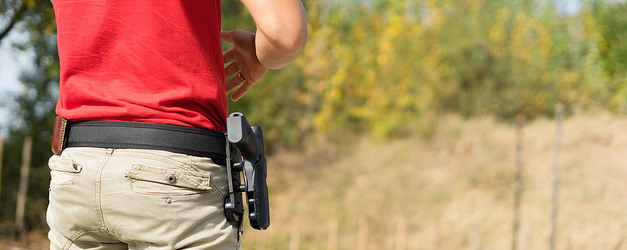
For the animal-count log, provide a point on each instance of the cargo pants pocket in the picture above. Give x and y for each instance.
(167, 181)
(63, 171)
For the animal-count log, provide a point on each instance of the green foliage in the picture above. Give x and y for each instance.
(612, 25)
(377, 67)
(610, 33)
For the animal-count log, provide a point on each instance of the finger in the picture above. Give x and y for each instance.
(241, 91)
(231, 69)
(232, 84)
(226, 36)
(228, 55)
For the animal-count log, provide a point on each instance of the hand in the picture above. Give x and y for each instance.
(245, 67)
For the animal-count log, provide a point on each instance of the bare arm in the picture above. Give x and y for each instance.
(281, 30)
(281, 36)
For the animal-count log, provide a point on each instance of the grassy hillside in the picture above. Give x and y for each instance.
(452, 191)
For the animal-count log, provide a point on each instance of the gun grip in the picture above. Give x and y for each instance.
(259, 207)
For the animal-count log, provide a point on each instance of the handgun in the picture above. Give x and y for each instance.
(246, 157)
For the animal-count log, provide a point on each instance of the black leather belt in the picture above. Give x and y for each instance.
(136, 135)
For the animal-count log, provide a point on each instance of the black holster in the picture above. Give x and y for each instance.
(245, 157)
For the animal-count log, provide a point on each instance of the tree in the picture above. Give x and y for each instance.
(11, 11)
(611, 35)
(34, 107)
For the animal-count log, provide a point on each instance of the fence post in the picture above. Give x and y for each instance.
(295, 236)
(332, 242)
(362, 235)
(473, 236)
(526, 239)
(401, 234)
(520, 120)
(559, 110)
(21, 197)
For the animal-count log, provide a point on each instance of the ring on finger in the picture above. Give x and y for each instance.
(241, 77)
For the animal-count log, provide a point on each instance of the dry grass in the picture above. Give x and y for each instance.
(453, 191)
(35, 240)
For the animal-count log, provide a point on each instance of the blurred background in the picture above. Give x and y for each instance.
(405, 124)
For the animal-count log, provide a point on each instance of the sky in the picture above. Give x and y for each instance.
(12, 61)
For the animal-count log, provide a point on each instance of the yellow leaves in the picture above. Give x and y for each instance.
(338, 78)
(435, 17)
(545, 45)
(503, 15)
(323, 120)
(604, 47)
(30, 3)
(497, 33)
(382, 59)
(395, 26)
(475, 7)
(378, 69)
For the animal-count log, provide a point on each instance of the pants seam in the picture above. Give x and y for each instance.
(71, 240)
(215, 190)
(98, 194)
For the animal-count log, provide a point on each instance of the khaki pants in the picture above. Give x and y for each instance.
(137, 199)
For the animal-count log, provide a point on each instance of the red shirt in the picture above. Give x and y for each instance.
(142, 61)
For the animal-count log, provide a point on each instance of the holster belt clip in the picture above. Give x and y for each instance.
(59, 136)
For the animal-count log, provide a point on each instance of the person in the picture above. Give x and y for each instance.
(143, 101)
